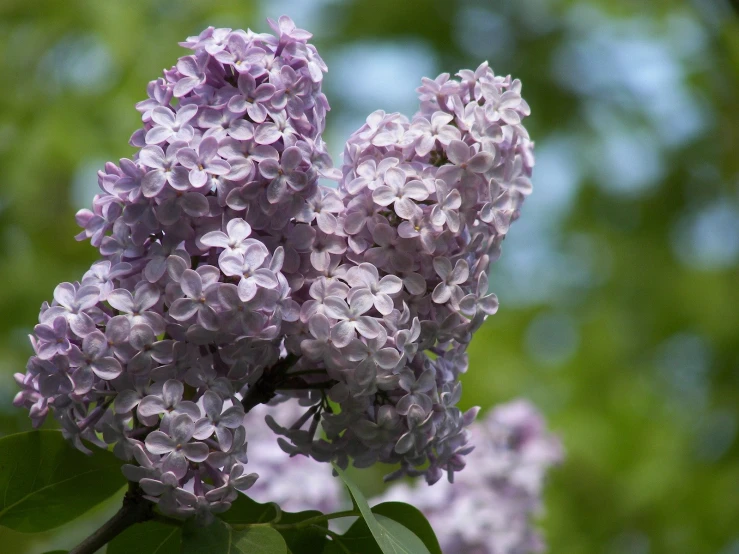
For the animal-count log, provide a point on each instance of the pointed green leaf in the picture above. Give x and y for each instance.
(410, 517)
(300, 541)
(45, 481)
(245, 510)
(221, 538)
(391, 536)
(333, 548)
(150, 537)
(400, 540)
(308, 540)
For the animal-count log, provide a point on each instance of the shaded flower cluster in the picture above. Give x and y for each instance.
(487, 510)
(228, 277)
(296, 483)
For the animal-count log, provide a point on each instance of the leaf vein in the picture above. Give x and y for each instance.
(50, 485)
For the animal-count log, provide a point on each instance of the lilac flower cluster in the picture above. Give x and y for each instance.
(296, 483)
(229, 276)
(488, 509)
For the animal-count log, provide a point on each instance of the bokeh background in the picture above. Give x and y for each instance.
(619, 287)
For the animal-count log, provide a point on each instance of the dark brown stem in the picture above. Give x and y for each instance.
(296, 385)
(135, 509)
(264, 389)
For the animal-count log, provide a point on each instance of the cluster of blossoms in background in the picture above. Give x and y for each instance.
(488, 509)
(228, 277)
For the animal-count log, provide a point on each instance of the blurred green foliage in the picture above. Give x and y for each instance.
(618, 287)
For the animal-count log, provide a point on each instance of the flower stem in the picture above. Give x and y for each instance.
(135, 509)
(263, 390)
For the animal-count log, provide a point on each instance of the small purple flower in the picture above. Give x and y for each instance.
(418, 224)
(371, 174)
(104, 274)
(479, 301)
(72, 303)
(239, 54)
(371, 356)
(192, 69)
(390, 253)
(438, 129)
(323, 246)
(243, 317)
(94, 357)
(450, 278)
(251, 98)
(322, 206)
(225, 123)
(465, 163)
(177, 446)
(420, 430)
(416, 389)
(165, 487)
(396, 190)
(319, 291)
(201, 163)
(171, 126)
(53, 338)
(351, 317)
(242, 156)
(150, 350)
(365, 276)
(278, 128)
(137, 306)
(200, 296)
(284, 174)
(175, 203)
(380, 431)
(236, 453)
(446, 210)
(316, 66)
(168, 402)
(289, 90)
(217, 420)
(287, 31)
(216, 41)
(130, 181)
(233, 241)
(159, 95)
(164, 169)
(321, 347)
(249, 266)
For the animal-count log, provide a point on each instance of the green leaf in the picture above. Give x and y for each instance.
(45, 481)
(150, 537)
(300, 541)
(245, 510)
(221, 538)
(401, 540)
(411, 518)
(332, 548)
(391, 536)
(57, 552)
(308, 540)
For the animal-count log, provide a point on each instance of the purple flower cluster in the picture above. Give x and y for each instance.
(489, 508)
(296, 483)
(229, 276)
